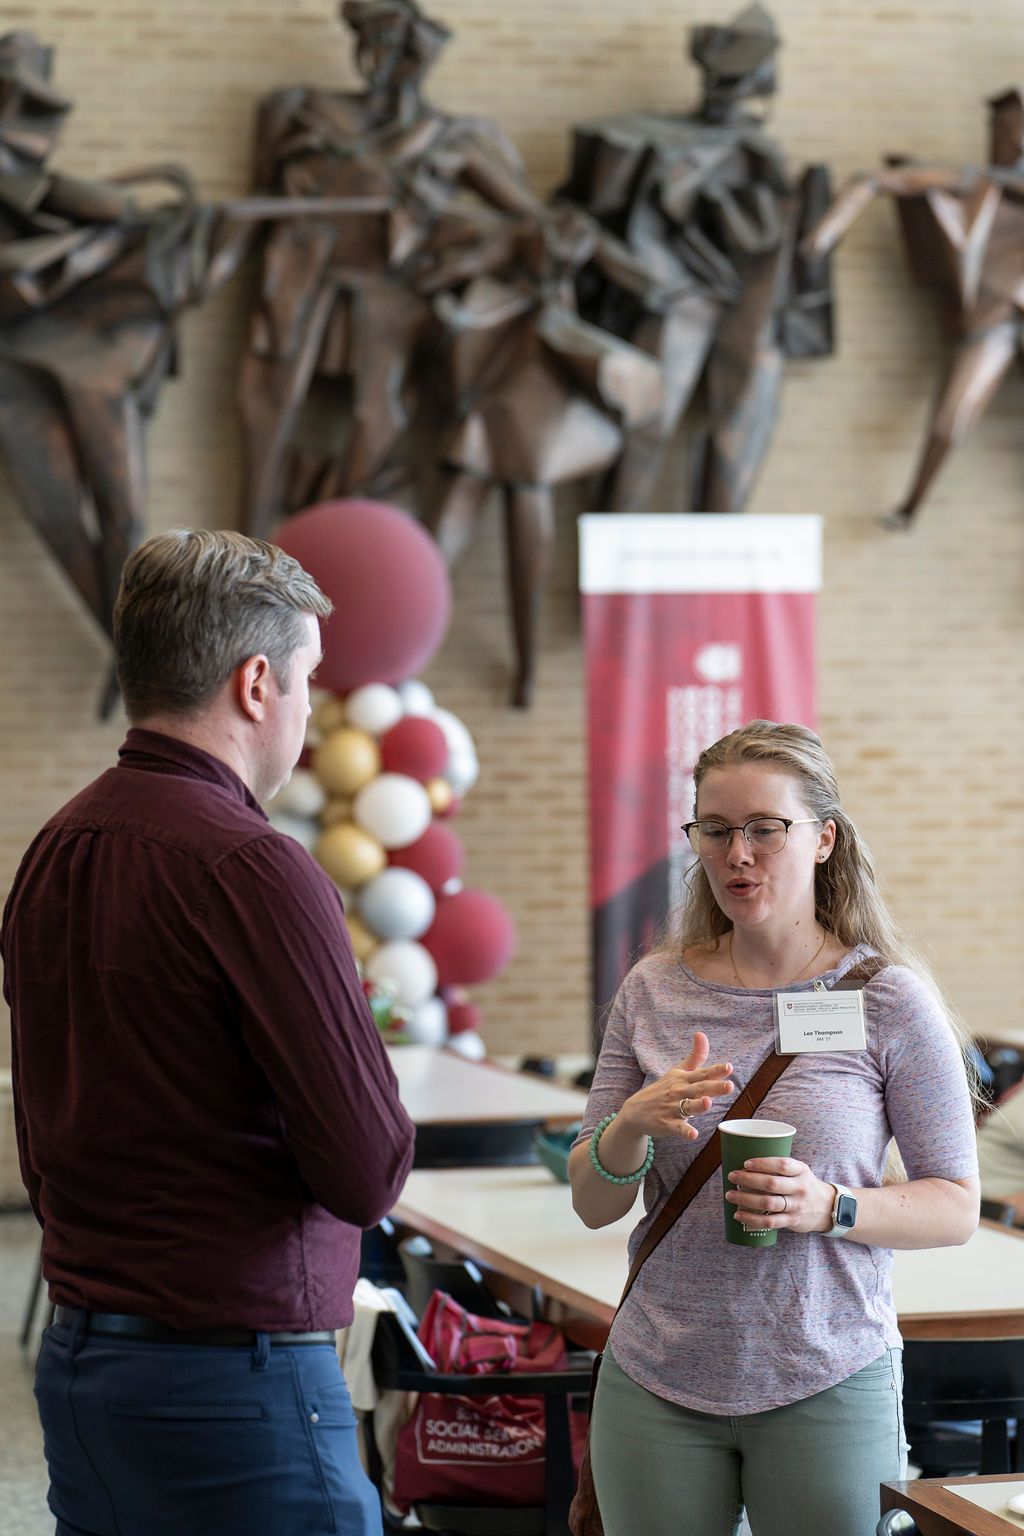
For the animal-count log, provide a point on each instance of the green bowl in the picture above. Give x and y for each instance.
(553, 1150)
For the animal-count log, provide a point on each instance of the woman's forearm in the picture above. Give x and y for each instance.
(597, 1201)
(926, 1213)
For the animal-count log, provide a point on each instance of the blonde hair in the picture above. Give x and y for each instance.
(193, 605)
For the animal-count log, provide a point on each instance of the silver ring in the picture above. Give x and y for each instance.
(682, 1111)
(785, 1206)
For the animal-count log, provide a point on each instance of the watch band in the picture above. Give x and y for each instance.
(844, 1210)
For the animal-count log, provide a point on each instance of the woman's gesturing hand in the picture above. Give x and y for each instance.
(781, 1192)
(664, 1108)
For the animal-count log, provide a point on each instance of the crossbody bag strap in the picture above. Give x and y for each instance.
(710, 1155)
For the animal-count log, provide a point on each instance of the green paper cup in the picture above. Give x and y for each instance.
(742, 1139)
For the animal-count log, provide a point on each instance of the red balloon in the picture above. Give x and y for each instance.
(388, 583)
(416, 746)
(462, 1017)
(436, 856)
(471, 938)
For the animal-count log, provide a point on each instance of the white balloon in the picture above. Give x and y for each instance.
(305, 832)
(427, 1023)
(455, 733)
(394, 809)
(397, 904)
(404, 969)
(416, 697)
(303, 795)
(468, 1043)
(374, 707)
(463, 765)
(461, 772)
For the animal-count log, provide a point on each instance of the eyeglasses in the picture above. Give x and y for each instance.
(764, 834)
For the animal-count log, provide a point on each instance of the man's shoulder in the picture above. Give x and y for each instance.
(177, 812)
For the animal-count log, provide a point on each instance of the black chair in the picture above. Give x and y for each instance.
(424, 1272)
(478, 1144)
(995, 1210)
(948, 1382)
(1006, 1066)
(402, 1363)
(896, 1522)
(379, 1259)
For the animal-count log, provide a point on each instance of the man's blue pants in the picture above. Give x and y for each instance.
(153, 1439)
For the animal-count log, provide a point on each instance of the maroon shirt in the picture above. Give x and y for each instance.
(206, 1114)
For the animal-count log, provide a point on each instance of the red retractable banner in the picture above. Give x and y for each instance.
(693, 625)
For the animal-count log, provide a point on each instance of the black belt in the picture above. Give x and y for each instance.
(125, 1326)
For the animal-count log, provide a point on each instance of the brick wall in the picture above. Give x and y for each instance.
(921, 680)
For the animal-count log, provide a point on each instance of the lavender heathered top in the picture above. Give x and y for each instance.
(731, 1330)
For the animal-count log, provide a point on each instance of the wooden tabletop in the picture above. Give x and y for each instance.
(520, 1221)
(958, 1506)
(439, 1087)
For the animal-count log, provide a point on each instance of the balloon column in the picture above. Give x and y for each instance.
(385, 772)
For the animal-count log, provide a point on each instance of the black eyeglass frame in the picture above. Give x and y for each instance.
(787, 823)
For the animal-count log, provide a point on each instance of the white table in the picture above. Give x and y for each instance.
(439, 1087)
(521, 1222)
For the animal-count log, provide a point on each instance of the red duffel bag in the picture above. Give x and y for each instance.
(487, 1449)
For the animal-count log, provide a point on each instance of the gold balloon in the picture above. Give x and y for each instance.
(349, 855)
(346, 760)
(363, 941)
(329, 714)
(439, 792)
(338, 808)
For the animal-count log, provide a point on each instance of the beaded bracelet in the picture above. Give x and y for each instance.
(602, 1171)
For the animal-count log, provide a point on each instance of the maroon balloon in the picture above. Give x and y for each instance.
(415, 746)
(436, 856)
(388, 583)
(463, 1017)
(471, 938)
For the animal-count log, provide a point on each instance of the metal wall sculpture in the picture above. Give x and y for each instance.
(92, 282)
(707, 202)
(424, 321)
(963, 230)
(94, 277)
(435, 349)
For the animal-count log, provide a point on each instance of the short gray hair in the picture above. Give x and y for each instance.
(193, 605)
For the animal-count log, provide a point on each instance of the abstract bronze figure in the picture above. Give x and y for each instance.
(541, 397)
(707, 203)
(338, 371)
(443, 334)
(963, 230)
(94, 277)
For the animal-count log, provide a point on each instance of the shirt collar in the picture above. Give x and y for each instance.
(153, 752)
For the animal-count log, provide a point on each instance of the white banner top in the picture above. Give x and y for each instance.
(699, 552)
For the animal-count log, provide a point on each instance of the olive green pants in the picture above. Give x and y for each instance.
(662, 1470)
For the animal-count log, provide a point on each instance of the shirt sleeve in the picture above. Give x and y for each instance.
(277, 928)
(927, 1098)
(617, 1075)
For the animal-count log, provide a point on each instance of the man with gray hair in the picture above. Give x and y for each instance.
(206, 1114)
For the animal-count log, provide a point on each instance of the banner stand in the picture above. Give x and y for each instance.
(693, 624)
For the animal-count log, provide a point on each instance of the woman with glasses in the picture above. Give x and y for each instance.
(769, 1377)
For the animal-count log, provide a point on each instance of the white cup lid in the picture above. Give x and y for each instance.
(757, 1128)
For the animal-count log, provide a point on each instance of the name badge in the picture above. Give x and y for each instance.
(819, 1021)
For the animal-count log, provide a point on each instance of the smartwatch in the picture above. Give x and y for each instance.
(844, 1211)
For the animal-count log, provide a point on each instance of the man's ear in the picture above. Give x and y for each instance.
(252, 686)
